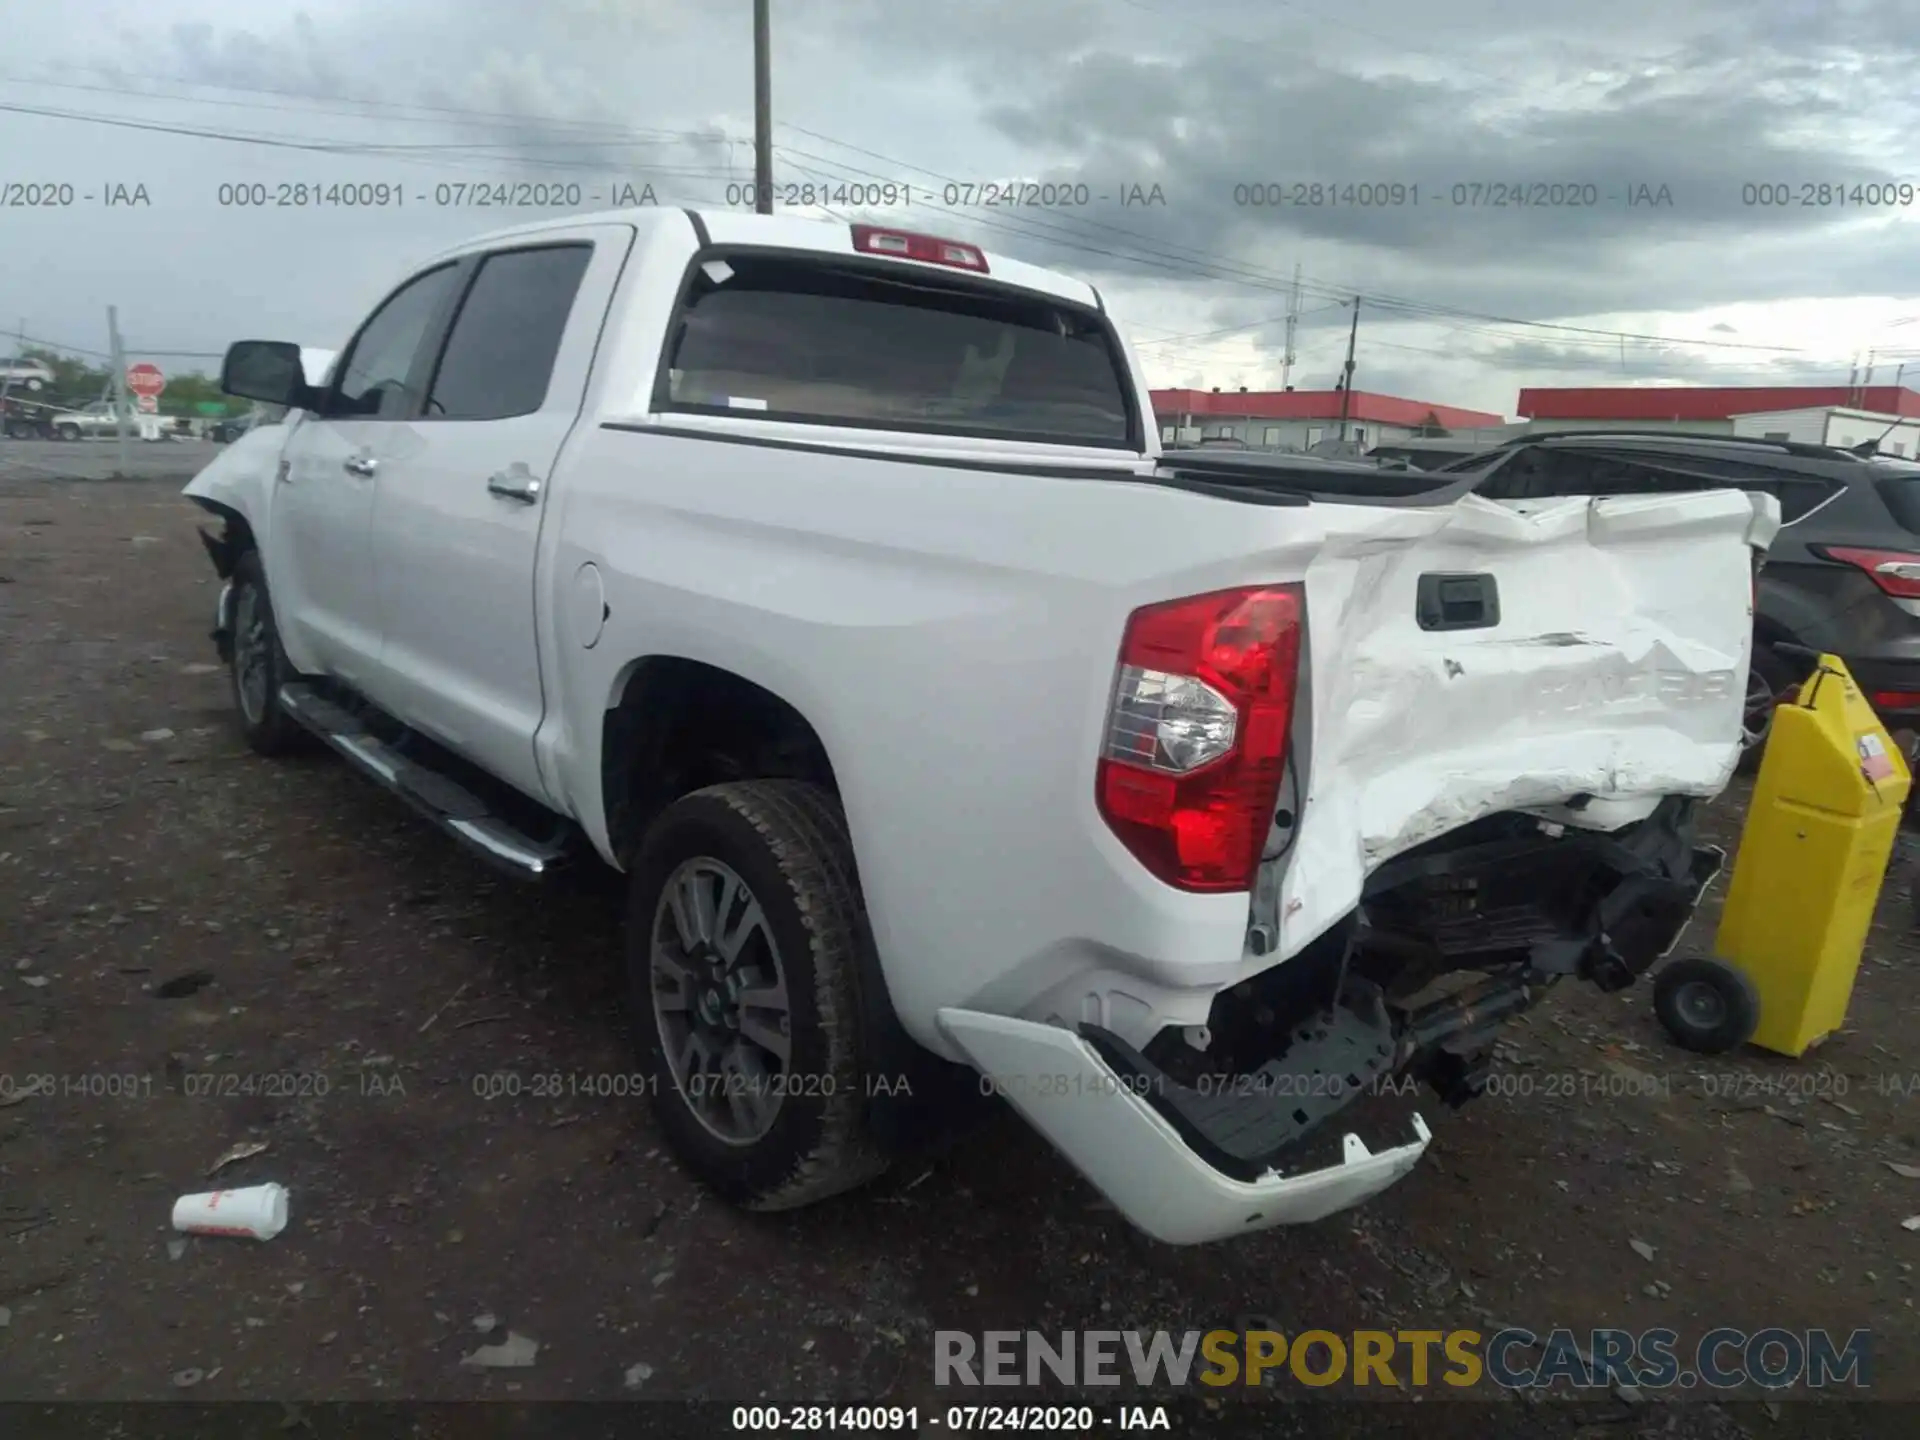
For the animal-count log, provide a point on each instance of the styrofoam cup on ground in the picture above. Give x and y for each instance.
(259, 1211)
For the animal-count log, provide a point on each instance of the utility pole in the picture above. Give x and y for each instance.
(1293, 322)
(762, 111)
(19, 353)
(120, 405)
(1853, 382)
(1346, 386)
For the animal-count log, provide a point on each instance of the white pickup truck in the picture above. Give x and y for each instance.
(828, 581)
(101, 421)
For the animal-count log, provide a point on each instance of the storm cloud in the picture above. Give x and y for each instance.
(1521, 194)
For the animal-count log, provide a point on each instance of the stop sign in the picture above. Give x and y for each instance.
(145, 378)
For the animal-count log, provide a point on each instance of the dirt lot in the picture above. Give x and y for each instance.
(394, 982)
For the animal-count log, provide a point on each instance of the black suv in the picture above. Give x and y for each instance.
(1842, 576)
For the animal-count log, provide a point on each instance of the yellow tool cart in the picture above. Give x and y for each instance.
(1826, 812)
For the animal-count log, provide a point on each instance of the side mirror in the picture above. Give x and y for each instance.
(268, 371)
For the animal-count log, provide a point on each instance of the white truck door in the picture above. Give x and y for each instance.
(319, 551)
(457, 523)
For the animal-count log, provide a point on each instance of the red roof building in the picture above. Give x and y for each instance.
(1316, 405)
(1699, 403)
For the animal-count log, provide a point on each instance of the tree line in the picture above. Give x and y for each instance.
(77, 383)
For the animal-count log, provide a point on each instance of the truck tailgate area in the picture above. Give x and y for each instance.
(1581, 657)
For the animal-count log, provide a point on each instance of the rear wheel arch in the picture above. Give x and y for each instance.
(674, 726)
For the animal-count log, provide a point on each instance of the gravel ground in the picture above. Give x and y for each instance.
(315, 931)
(26, 460)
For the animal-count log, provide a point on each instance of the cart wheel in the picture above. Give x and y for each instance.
(1706, 1004)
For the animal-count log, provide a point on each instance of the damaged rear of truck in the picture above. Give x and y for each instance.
(1498, 720)
(1196, 803)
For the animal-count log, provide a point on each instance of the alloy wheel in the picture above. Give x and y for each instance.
(252, 655)
(720, 1000)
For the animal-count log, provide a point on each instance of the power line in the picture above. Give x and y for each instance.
(45, 344)
(436, 114)
(1201, 265)
(1266, 281)
(400, 153)
(1216, 269)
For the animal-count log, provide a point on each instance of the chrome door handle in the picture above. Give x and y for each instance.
(522, 487)
(359, 465)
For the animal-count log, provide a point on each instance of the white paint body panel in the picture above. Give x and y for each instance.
(952, 634)
(1136, 1159)
(458, 567)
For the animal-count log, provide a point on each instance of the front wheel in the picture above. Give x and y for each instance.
(259, 666)
(67, 432)
(744, 925)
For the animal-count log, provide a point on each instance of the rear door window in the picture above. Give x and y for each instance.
(842, 344)
(499, 354)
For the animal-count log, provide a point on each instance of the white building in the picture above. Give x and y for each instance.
(1833, 425)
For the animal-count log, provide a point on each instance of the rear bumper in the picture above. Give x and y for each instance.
(1136, 1158)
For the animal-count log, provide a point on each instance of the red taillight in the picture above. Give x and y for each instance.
(1896, 701)
(1196, 741)
(1895, 571)
(907, 245)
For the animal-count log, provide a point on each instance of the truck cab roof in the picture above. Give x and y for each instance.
(786, 232)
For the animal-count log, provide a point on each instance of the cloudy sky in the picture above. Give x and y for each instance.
(1723, 119)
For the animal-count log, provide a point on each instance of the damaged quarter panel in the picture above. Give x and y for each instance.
(1612, 668)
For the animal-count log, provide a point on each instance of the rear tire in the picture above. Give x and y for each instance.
(763, 869)
(259, 667)
(1706, 1005)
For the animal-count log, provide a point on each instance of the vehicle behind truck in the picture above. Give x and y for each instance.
(829, 583)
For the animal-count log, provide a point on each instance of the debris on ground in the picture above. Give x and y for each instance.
(259, 1211)
(1642, 1249)
(241, 1150)
(1911, 1172)
(516, 1352)
(187, 1379)
(638, 1375)
(153, 737)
